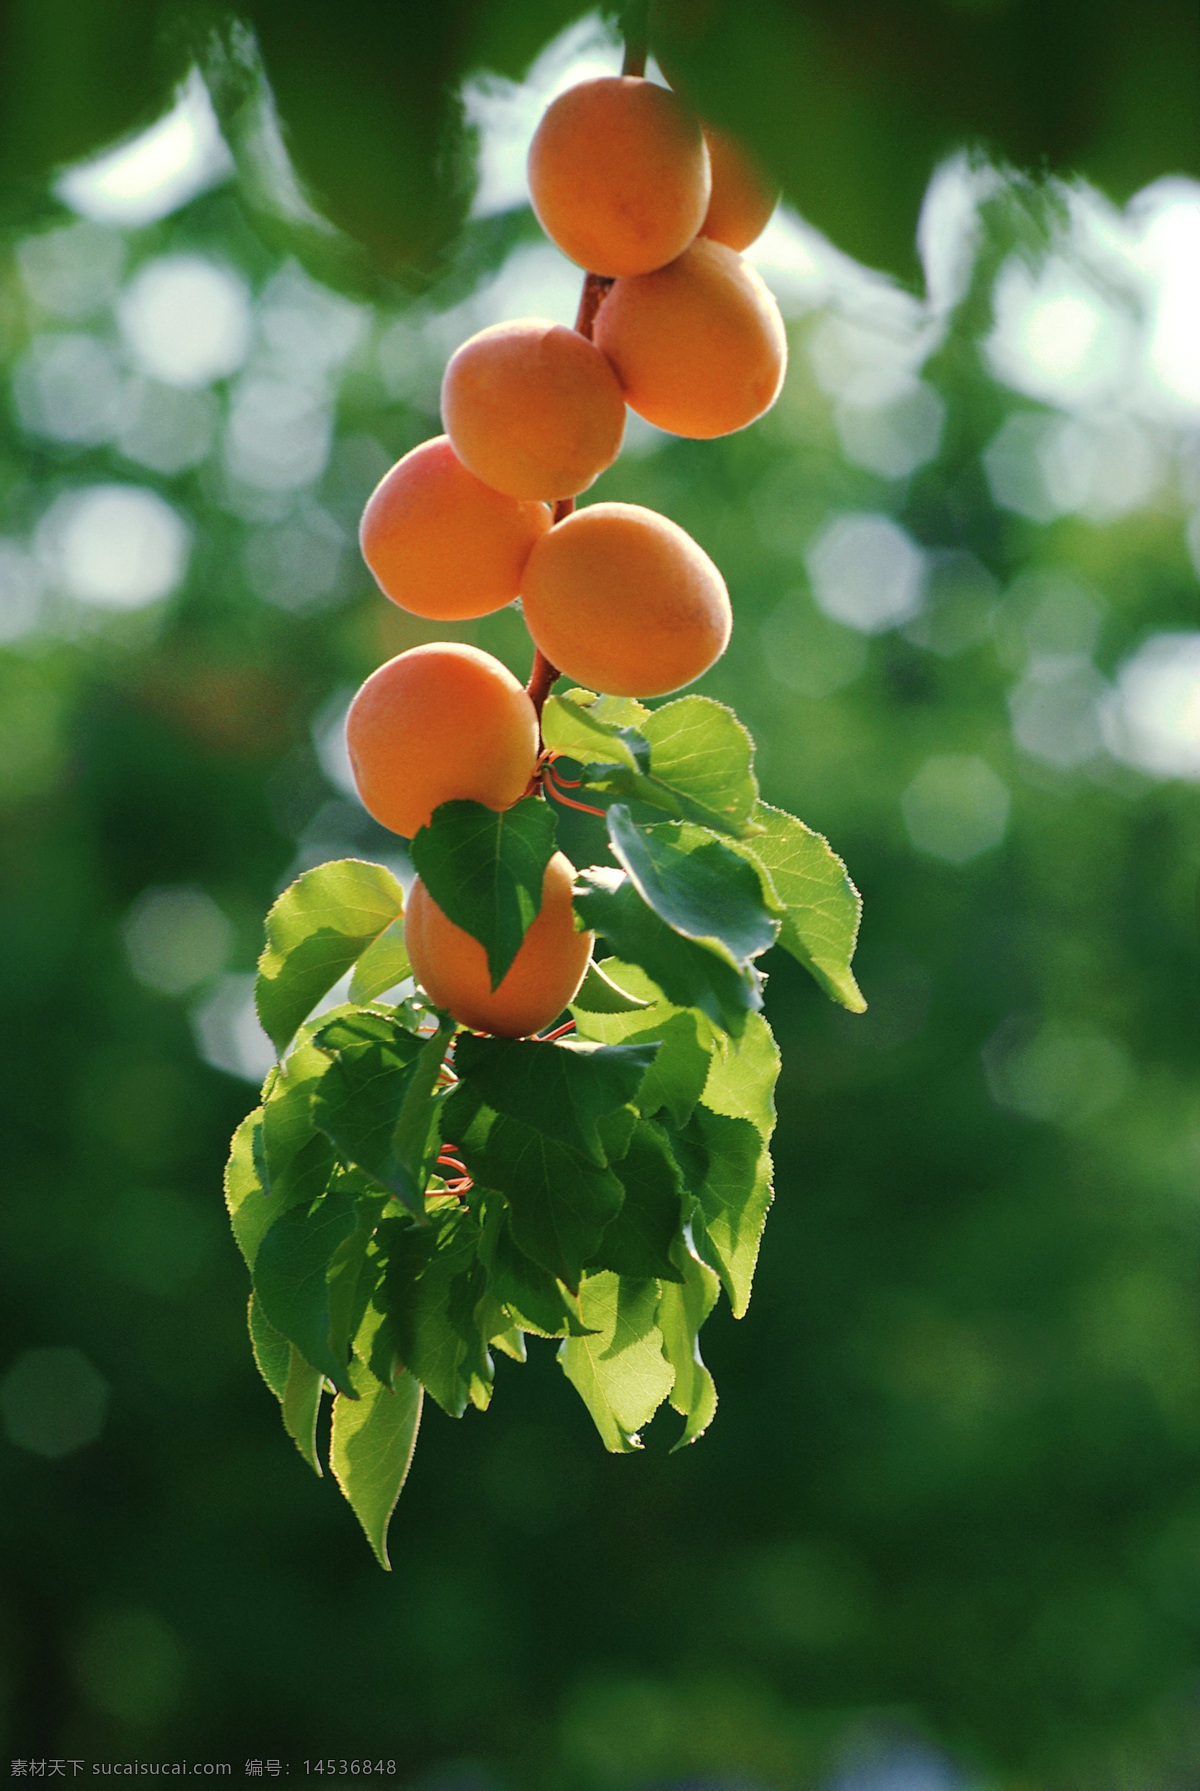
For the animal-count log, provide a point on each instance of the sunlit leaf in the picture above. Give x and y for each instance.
(820, 926)
(317, 929)
(682, 1310)
(371, 1448)
(620, 1373)
(689, 974)
(383, 965)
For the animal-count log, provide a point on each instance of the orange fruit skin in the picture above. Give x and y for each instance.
(440, 542)
(699, 347)
(624, 601)
(742, 198)
(618, 174)
(543, 977)
(439, 723)
(533, 409)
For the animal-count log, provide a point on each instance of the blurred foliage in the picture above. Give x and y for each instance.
(852, 105)
(950, 1505)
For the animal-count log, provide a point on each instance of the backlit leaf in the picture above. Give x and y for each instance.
(689, 974)
(682, 1309)
(820, 927)
(371, 1448)
(620, 1373)
(317, 929)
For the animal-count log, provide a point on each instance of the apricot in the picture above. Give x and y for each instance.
(542, 979)
(440, 542)
(618, 174)
(533, 409)
(699, 347)
(743, 196)
(435, 724)
(624, 601)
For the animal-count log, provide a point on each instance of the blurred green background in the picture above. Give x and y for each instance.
(945, 1532)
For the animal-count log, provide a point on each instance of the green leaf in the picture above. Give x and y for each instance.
(599, 994)
(317, 929)
(377, 1099)
(245, 1196)
(296, 1160)
(537, 1301)
(296, 1384)
(682, 1309)
(692, 758)
(676, 1079)
(620, 1373)
(560, 1202)
(727, 1167)
(432, 1284)
(562, 1089)
(384, 964)
(742, 1076)
(820, 926)
(700, 887)
(638, 1241)
(700, 751)
(572, 725)
(371, 1448)
(690, 975)
(291, 1277)
(484, 868)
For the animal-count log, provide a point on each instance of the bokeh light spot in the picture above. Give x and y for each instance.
(1055, 1072)
(228, 1033)
(176, 939)
(116, 546)
(53, 1402)
(955, 808)
(68, 388)
(1153, 717)
(185, 320)
(866, 572)
(130, 1665)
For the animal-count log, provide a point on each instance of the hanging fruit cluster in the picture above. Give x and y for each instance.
(428, 1180)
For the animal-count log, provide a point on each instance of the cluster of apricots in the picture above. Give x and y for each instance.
(630, 185)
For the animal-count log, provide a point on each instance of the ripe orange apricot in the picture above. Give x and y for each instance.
(533, 409)
(624, 601)
(618, 174)
(544, 976)
(435, 724)
(443, 544)
(699, 346)
(743, 196)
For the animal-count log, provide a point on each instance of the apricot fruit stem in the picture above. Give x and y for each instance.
(543, 675)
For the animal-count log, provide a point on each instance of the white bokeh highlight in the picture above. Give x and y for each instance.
(866, 571)
(118, 547)
(1152, 719)
(185, 320)
(176, 938)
